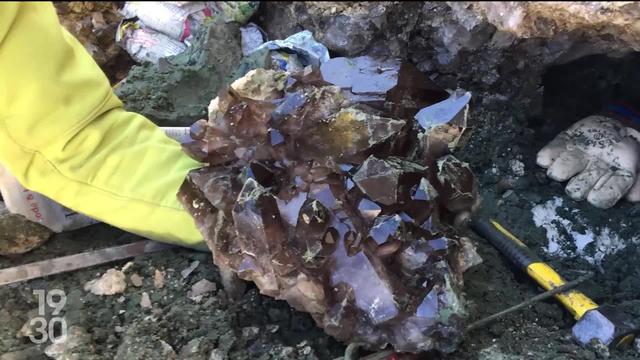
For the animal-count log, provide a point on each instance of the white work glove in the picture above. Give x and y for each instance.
(600, 156)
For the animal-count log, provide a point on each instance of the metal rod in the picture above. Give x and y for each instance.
(533, 300)
(78, 261)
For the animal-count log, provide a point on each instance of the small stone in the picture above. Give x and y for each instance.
(468, 257)
(218, 354)
(250, 332)
(272, 328)
(136, 280)
(110, 283)
(63, 348)
(145, 301)
(601, 350)
(118, 329)
(186, 272)
(167, 350)
(121, 299)
(191, 349)
(494, 352)
(517, 167)
(200, 288)
(287, 352)
(507, 194)
(18, 235)
(158, 279)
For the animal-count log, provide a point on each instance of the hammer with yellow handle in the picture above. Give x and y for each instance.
(605, 324)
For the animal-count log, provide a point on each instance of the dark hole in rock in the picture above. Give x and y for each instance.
(584, 87)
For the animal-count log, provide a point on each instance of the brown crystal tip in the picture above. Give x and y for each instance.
(335, 202)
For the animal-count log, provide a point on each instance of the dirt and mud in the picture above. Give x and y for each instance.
(95, 24)
(501, 150)
(175, 326)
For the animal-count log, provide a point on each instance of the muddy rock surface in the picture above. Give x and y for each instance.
(176, 90)
(574, 237)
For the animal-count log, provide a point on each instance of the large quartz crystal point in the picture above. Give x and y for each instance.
(362, 74)
(456, 184)
(381, 180)
(442, 125)
(414, 91)
(348, 134)
(260, 233)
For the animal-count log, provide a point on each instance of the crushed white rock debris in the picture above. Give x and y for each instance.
(186, 272)
(564, 240)
(517, 167)
(62, 348)
(136, 279)
(201, 288)
(145, 301)
(110, 283)
(158, 279)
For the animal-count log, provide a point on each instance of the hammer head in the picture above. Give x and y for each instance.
(612, 327)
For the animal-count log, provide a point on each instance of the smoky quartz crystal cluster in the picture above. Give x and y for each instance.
(334, 189)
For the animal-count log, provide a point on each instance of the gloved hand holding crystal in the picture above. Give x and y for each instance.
(599, 156)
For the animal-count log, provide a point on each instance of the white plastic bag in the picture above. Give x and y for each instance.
(153, 30)
(39, 208)
(146, 44)
(178, 21)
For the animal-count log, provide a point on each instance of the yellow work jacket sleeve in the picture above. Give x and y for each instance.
(64, 134)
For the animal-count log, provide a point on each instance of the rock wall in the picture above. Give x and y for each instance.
(496, 47)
